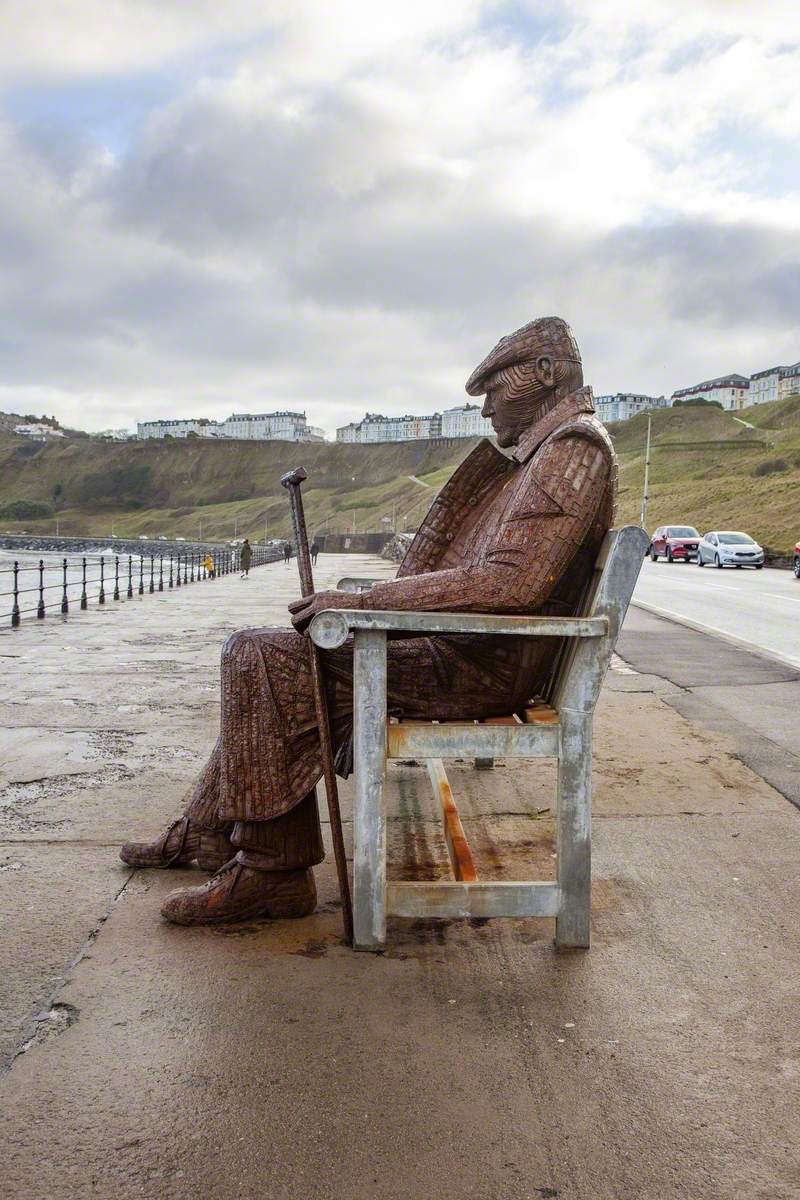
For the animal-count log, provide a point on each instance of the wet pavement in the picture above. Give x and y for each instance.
(267, 1060)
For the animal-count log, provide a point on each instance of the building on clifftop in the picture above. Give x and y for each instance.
(732, 392)
(624, 405)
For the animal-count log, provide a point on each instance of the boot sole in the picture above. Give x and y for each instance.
(273, 912)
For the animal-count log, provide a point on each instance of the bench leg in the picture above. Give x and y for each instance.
(369, 820)
(574, 831)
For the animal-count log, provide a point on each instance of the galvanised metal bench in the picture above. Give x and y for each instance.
(558, 725)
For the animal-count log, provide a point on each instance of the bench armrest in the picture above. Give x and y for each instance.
(330, 628)
(356, 583)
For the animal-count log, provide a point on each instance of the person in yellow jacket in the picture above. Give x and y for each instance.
(208, 563)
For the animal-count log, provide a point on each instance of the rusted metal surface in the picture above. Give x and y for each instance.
(437, 898)
(458, 849)
(448, 739)
(292, 482)
(485, 600)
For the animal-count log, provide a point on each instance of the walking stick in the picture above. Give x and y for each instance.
(292, 481)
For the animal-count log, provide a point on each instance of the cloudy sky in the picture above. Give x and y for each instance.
(335, 205)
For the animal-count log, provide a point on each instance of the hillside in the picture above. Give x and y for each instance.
(708, 468)
(229, 487)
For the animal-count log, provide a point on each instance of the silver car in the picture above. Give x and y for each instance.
(727, 548)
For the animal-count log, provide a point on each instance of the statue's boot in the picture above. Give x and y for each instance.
(270, 876)
(183, 843)
(246, 887)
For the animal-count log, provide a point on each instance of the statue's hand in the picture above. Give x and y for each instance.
(303, 611)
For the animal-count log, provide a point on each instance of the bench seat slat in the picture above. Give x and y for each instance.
(421, 739)
(484, 899)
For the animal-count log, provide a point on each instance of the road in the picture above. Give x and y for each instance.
(757, 609)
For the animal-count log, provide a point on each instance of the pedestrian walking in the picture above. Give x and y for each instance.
(314, 551)
(245, 558)
(208, 563)
(287, 553)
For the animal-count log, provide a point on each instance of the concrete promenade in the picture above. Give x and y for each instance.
(269, 1061)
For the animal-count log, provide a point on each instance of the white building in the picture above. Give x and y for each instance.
(179, 428)
(731, 391)
(348, 433)
(789, 382)
(262, 427)
(377, 428)
(39, 433)
(624, 405)
(271, 427)
(465, 420)
(764, 385)
(775, 383)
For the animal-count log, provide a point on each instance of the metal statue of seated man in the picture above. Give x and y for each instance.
(514, 534)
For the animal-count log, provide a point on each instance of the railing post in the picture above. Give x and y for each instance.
(64, 598)
(185, 570)
(40, 611)
(178, 579)
(101, 599)
(84, 599)
(141, 574)
(191, 577)
(130, 576)
(116, 577)
(170, 572)
(15, 608)
(152, 587)
(161, 572)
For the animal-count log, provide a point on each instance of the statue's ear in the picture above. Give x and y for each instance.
(545, 371)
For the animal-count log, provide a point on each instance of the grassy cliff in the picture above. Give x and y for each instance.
(708, 469)
(174, 487)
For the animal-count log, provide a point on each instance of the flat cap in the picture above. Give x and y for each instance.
(546, 335)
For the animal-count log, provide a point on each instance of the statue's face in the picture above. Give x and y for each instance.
(515, 395)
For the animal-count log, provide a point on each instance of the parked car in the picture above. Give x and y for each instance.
(797, 561)
(678, 543)
(729, 548)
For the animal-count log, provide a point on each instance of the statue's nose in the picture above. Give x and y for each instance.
(487, 409)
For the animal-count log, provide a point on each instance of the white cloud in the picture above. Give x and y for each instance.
(354, 209)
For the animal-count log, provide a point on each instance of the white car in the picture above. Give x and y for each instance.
(728, 548)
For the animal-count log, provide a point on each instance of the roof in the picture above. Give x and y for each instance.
(721, 381)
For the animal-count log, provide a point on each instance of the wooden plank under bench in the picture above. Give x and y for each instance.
(461, 858)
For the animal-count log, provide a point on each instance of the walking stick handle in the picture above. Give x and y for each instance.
(292, 481)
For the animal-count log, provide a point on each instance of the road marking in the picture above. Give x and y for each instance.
(782, 596)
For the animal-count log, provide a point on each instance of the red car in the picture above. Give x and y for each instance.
(797, 561)
(678, 543)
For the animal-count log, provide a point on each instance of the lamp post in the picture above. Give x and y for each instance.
(645, 494)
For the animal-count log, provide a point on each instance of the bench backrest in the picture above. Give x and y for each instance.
(582, 665)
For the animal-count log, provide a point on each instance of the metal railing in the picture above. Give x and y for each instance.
(62, 584)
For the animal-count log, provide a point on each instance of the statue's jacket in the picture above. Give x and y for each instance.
(514, 534)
